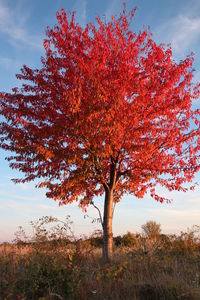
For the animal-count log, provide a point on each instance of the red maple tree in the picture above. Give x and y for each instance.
(109, 112)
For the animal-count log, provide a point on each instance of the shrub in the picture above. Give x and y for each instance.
(127, 240)
(151, 229)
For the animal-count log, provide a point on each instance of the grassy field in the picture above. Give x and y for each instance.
(143, 267)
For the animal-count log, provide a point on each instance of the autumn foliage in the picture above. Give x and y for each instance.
(108, 110)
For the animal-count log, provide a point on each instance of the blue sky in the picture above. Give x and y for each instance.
(22, 29)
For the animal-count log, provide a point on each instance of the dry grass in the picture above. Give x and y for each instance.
(165, 267)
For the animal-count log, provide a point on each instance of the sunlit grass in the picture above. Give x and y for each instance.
(159, 267)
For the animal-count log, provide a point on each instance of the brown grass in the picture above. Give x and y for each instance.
(165, 267)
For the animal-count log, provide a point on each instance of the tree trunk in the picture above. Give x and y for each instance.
(107, 226)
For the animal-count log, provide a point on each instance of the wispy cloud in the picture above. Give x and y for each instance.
(6, 62)
(112, 9)
(30, 207)
(25, 186)
(80, 8)
(13, 23)
(171, 213)
(182, 32)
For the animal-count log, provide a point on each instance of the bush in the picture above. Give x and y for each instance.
(127, 240)
(41, 275)
(96, 239)
(151, 229)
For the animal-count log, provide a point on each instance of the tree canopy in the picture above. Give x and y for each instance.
(108, 108)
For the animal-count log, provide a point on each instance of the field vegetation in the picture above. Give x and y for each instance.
(54, 264)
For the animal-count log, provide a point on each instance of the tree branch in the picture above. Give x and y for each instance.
(101, 220)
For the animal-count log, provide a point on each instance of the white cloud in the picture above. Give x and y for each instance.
(80, 8)
(24, 186)
(182, 32)
(176, 213)
(29, 207)
(6, 62)
(112, 9)
(194, 201)
(13, 23)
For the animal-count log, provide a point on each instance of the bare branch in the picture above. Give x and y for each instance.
(101, 220)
